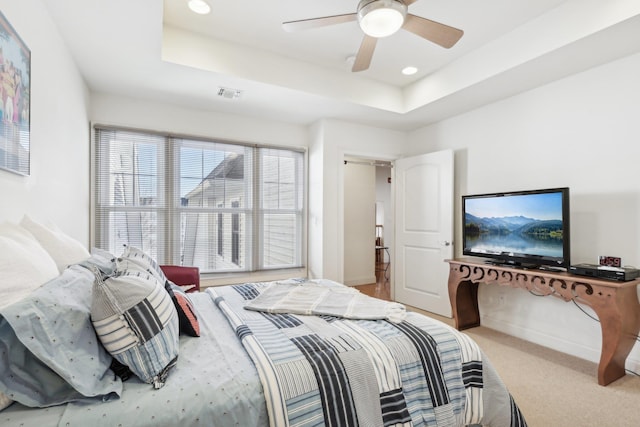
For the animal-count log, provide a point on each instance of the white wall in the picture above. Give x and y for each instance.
(359, 224)
(580, 132)
(58, 187)
(109, 109)
(316, 202)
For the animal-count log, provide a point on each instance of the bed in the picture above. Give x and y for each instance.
(294, 352)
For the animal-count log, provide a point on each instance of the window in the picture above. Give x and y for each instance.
(219, 206)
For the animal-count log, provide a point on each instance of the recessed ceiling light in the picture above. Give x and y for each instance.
(409, 71)
(199, 6)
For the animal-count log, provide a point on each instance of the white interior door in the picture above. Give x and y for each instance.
(424, 230)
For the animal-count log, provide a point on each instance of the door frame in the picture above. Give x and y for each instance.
(392, 247)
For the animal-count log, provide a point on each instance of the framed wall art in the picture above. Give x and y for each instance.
(15, 97)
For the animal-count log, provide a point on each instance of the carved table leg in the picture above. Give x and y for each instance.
(463, 295)
(620, 322)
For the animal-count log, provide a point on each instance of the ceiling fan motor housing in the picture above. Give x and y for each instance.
(381, 18)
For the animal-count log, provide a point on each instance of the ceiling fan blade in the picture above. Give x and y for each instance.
(433, 31)
(408, 2)
(365, 53)
(306, 24)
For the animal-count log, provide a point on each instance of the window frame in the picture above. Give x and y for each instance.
(168, 240)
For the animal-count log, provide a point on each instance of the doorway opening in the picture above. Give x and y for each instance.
(368, 226)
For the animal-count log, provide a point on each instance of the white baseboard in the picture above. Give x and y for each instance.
(545, 340)
(574, 349)
(360, 281)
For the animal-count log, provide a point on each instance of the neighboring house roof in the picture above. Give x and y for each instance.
(232, 167)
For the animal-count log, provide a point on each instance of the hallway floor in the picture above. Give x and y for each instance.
(381, 289)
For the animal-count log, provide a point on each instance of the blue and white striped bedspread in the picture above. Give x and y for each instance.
(324, 370)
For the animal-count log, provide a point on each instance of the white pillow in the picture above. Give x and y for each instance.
(4, 401)
(24, 264)
(64, 250)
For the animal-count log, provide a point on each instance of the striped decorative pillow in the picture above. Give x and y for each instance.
(133, 258)
(137, 323)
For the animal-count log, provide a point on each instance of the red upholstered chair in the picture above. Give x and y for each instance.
(183, 276)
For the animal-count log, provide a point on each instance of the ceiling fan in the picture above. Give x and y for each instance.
(382, 18)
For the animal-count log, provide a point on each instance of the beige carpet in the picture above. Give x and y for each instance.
(554, 389)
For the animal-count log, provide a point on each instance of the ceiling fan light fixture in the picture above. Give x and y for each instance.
(200, 7)
(381, 18)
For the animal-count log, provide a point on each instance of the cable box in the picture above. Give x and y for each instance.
(605, 272)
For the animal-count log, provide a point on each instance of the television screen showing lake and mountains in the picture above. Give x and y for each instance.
(520, 224)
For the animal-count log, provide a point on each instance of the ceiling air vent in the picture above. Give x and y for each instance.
(228, 93)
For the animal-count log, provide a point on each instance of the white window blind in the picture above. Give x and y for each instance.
(219, 206)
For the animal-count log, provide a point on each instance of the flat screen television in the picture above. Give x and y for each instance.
(528, 229)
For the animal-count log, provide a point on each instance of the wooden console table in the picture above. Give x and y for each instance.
(615, 303)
